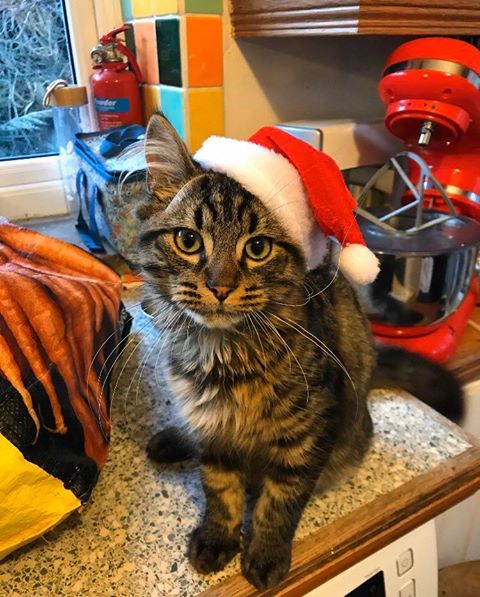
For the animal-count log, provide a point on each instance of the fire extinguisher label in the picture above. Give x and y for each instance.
(121, 104)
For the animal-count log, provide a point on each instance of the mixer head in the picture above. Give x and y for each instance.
(431, 89)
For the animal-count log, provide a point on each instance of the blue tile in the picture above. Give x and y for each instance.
(172, 102)
(127, 10)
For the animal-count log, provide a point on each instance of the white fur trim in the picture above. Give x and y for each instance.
(269, 176)
(358, 263)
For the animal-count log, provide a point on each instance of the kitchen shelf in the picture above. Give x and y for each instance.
(269, 18)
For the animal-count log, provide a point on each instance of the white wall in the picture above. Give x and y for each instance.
(458, 529)
(276, 79)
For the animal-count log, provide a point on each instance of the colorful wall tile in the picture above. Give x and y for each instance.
(168, 49)
(150, 100)
(146, 45)
(204, 50)
(205, 114)
(149, 8)
(126, 10)
(204, 6)
(172, 100)
(179, 48)
(163, 7)
(142, 8)
(130, 40)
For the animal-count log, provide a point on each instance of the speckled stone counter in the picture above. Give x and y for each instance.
(130, 540)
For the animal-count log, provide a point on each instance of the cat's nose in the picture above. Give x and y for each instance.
(220, 292)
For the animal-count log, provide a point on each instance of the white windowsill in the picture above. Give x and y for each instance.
(29, 171)
(31, 188)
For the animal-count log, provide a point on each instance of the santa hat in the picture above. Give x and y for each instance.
(303, 187)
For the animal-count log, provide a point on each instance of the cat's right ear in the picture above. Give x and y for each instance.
(168, 161)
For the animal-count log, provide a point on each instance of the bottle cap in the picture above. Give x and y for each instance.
(60, 93)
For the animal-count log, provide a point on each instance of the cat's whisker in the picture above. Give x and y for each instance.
(171, 320)
(274, 329)
(117, 357)
(140, 304)
(309, 336)
(141, 367)
(268, 334)
(325, 347)
(260, 341)
(145, 357)
(115, 332)
(158, 314)
(165, 337)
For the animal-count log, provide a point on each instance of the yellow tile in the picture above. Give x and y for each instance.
(165, 7)
(142, 8)
(205, 108)
(151, 100)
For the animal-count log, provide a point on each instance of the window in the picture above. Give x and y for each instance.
(41, 40)
(34, 50)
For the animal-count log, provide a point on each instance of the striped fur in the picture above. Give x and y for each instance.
(272, 382)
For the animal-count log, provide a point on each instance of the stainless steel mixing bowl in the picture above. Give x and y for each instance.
(426, 269)
(422, 279)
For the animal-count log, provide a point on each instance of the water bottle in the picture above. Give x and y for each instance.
(70, 116)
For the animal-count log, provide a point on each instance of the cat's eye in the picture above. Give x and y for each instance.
(258, 248)
(188, 241)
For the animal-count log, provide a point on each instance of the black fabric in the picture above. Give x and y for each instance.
(60, 455)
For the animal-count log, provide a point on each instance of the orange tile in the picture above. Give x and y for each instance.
(151, 100)
(204, 51)
(146, 45)
(205, 107)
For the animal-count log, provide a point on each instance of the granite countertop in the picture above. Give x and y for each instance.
(130, 539)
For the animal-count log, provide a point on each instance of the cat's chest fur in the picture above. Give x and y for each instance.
(221, 384)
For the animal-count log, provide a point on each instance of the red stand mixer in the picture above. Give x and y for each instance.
(431, 90)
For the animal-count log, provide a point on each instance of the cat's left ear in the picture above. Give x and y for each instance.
(170, 166)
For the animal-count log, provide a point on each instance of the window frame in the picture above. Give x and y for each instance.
(32, 187)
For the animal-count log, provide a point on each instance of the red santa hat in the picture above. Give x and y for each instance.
(303, 187)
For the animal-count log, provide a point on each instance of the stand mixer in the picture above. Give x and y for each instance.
(431, 90)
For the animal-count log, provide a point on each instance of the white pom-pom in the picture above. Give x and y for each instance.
(358, 263)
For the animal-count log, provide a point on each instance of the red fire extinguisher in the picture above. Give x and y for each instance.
(116, 84)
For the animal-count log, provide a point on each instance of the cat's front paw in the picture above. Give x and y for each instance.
(265, 566)
(210, 549)
(169, 445)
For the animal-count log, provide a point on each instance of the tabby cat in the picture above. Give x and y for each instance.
(270, 365)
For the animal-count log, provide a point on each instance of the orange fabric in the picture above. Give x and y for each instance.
(58, 305)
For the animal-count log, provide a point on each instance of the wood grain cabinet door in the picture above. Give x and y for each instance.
(267, 18)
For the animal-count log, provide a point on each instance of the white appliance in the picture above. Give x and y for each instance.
(458, 529)
(405, 568)
(348, 142)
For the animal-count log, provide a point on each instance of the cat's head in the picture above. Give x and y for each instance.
(207, 245)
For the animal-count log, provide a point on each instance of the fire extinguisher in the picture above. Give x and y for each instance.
(116, 84)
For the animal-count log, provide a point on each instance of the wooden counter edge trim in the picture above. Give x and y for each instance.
(384, 536)
(359, 533)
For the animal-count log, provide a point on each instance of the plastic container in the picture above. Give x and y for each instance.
(70, 116)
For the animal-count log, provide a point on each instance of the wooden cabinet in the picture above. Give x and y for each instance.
(267, 18)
